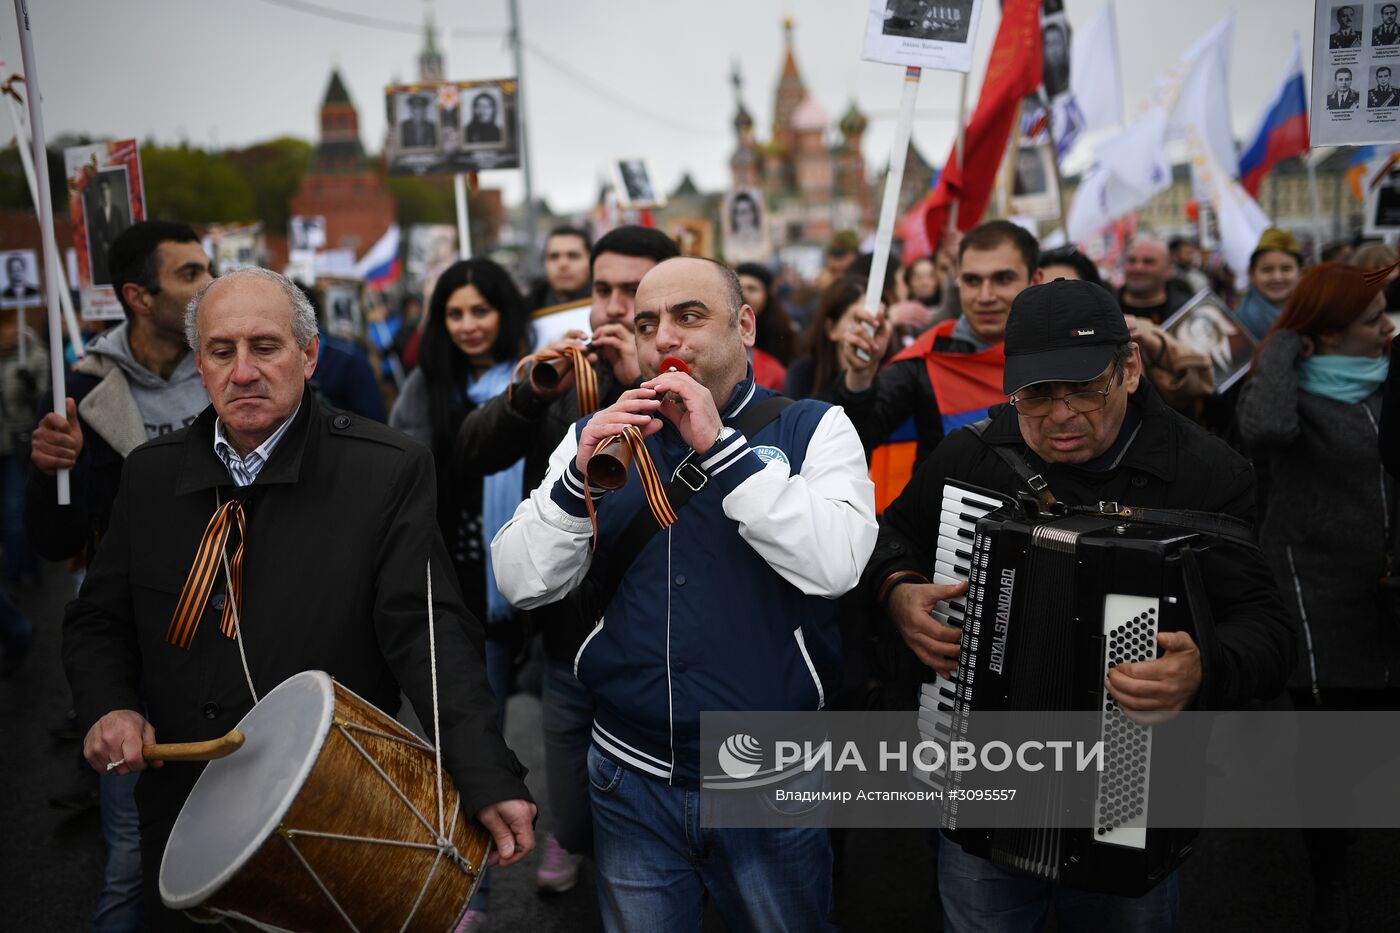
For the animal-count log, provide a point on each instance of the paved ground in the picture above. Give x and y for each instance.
(51, 862)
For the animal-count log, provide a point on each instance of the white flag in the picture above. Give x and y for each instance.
(1196, 92)
(1130, 168)
(1198, 117)
(1094, 76)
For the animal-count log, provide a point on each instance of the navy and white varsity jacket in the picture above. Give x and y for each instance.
(731, 608)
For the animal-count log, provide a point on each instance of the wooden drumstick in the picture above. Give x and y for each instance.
(194, 751)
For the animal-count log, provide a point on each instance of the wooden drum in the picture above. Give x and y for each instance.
(326, 819)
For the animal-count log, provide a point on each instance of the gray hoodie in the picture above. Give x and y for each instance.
(160, 405)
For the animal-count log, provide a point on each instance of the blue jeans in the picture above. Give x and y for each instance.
(656, 864)
(119, 907)
(979, 897)
(19, 557)
(567, 717)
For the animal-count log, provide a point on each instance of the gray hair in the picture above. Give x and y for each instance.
(303, 314)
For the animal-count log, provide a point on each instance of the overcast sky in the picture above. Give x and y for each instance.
(602, 78)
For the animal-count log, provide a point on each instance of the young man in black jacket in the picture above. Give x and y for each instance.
(996, 260)
(1082, 417)
(525, 424)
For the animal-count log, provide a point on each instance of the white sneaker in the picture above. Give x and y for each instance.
(558, 871)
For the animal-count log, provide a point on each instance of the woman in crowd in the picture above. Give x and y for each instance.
(929, 284)
(774, 338)
(1274, 267)
(823, 359)
(476, 330)
(1310, 412)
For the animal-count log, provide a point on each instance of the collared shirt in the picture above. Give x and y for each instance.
(245, 469)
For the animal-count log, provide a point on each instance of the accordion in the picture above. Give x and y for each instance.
(1054, 602)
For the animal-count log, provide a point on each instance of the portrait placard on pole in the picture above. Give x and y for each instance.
(446, 127)
(924, 35)
(106, 195)
(1355, 74)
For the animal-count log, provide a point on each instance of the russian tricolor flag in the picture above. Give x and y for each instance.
(1283, 130)
(379, 267)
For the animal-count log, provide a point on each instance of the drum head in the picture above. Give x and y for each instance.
(239, 800)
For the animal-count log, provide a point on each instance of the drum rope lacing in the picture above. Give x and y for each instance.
(442, 845)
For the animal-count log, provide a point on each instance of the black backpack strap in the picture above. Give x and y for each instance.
(1033, 480)
(687, 481)
(1216, 524)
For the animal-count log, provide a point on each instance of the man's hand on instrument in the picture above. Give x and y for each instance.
(617, 345)
(873, 342)
(113, 744)
(634, 407)
(57, 442)
(574, 338)
(511, 824)
(1161, 686)
(696, 416)
(935, 643)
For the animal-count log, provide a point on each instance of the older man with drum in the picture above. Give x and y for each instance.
(275, 536)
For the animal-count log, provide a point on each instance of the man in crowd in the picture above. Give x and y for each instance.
(152, 653)
(732, 607)
(523, 423)
(1149, 288)
(565, 270)
(1186, 262)
(929, 380)
(1079, 419)
(138, 381)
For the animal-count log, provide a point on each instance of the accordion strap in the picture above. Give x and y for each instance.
(1216, 524)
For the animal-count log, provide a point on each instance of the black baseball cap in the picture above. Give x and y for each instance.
(1062, 331)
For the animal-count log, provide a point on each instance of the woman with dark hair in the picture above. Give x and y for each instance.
(1273, 274)
(483, 127)
(814, 374)
(476, 330)
(774, 337)
(1310, 412)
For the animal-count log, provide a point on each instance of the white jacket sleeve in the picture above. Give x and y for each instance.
(544, 551)
(817, 528)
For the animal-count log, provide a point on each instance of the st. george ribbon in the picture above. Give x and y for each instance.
(607, 467)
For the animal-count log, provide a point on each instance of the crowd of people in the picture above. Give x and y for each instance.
(782, 561)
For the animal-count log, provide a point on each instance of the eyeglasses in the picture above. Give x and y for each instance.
(1081, 403)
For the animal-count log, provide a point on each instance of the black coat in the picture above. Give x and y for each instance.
(1171, 464)
(341, 524)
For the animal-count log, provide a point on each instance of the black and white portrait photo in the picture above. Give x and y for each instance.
(745, 226)
(21, 284)
(484, 115)
(306, 233)
(343, 308)
(941, 21)
(1343, 96)
(1034, 191)
(745, 216)
(1385, 212)
(634, 185)
(1206, 325)
(1055, 73)
(1383, 92)
(106, 213)
(1387, 30)
(417, 122)
(1031, 177)
(1347, 34)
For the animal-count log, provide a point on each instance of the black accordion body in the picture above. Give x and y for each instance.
(1054, 602)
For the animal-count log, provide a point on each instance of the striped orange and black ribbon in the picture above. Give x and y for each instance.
(205, 571)
(652, 486)
(585, 379)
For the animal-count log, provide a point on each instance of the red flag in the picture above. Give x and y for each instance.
(1013, 72)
